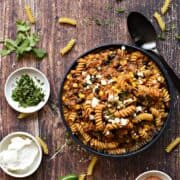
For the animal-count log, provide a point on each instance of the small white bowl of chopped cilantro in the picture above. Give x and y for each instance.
(27, 90)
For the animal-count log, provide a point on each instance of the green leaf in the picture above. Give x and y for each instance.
(120, 10)
(20, 38)
(5, 52)
(39, 53)
(177, 37)
(33, 39)
(10, 44)
(24, 47)
(22, 26)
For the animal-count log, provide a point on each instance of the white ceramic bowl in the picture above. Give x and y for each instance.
(36, 75)
(5, 142)
(156, 173)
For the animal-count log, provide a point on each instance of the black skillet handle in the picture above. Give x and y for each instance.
(172, 74)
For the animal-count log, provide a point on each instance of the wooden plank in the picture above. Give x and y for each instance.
(88, 34)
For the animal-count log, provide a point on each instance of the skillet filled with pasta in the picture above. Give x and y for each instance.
(116, 100)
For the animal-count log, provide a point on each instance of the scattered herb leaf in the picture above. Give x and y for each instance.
(120, 10)
(39, 53)
(174, 26)
(162, 36)
(177, 37)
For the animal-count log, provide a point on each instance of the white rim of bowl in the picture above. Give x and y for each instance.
(39, 158)
(29, 68)
(154, 171)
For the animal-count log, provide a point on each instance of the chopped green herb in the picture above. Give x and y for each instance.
(26, 93)
(120, 10)
(67, 135)
(174, 26)
(102, 22)
(39, 53)
(68, 177)
(162, 36)
(25, 42)
(177, 37)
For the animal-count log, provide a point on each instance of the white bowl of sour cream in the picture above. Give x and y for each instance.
(20, 154)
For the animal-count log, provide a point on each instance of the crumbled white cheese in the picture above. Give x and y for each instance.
(94, 102)
(124, 121)
(140, 74)
(110, 81)
(134, 115)
(88, 79)
(138, 109)
(83, 73)
(103, 82)
(112, 98)
(154, 81)
(99, 68)
(123, 48)
(128, 101)
(109, 105)
(99, 76)
(106, 117)
(91, 117)
(107, 133)
(140, 81)
(94, 89)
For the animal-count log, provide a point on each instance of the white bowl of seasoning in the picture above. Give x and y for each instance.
(39, 80)
(20, 154)
(153, 175)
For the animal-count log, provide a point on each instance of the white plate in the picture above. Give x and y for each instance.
(11, 84)
(6, 141)
(159, 174)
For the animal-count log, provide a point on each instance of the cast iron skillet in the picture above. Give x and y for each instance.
(168, 82)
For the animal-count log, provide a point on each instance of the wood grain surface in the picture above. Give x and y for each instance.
(89, 33)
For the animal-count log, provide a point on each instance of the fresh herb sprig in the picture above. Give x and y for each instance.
(25, 42)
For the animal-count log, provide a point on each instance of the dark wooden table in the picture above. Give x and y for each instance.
(98, 23)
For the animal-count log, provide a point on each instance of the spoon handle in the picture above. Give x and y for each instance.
(172, 74)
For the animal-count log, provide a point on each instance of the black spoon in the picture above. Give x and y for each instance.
(144, 35)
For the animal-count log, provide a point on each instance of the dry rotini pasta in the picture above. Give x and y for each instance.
(165, 6)
(68, 47)
(66, 20)
(160, 21)
(115, 100)
(29, 14)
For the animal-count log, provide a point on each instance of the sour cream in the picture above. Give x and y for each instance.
(19, 155)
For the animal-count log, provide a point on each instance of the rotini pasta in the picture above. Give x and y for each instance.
(29, 14)
(165, 6)
(66, 20)
(160, 21)
(68, 47)
(115, 101)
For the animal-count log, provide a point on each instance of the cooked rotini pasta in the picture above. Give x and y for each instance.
(29, 14)
(66, 20)
(115, 100)
(165, 6)
(160, 21)
(68, 47)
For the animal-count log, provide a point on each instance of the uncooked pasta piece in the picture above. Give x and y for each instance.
(68, 47)
(160, 21)
(29, 14)
(66, 20)
(43, 145)
(91, 165)
(172, 145)
(165, 6)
